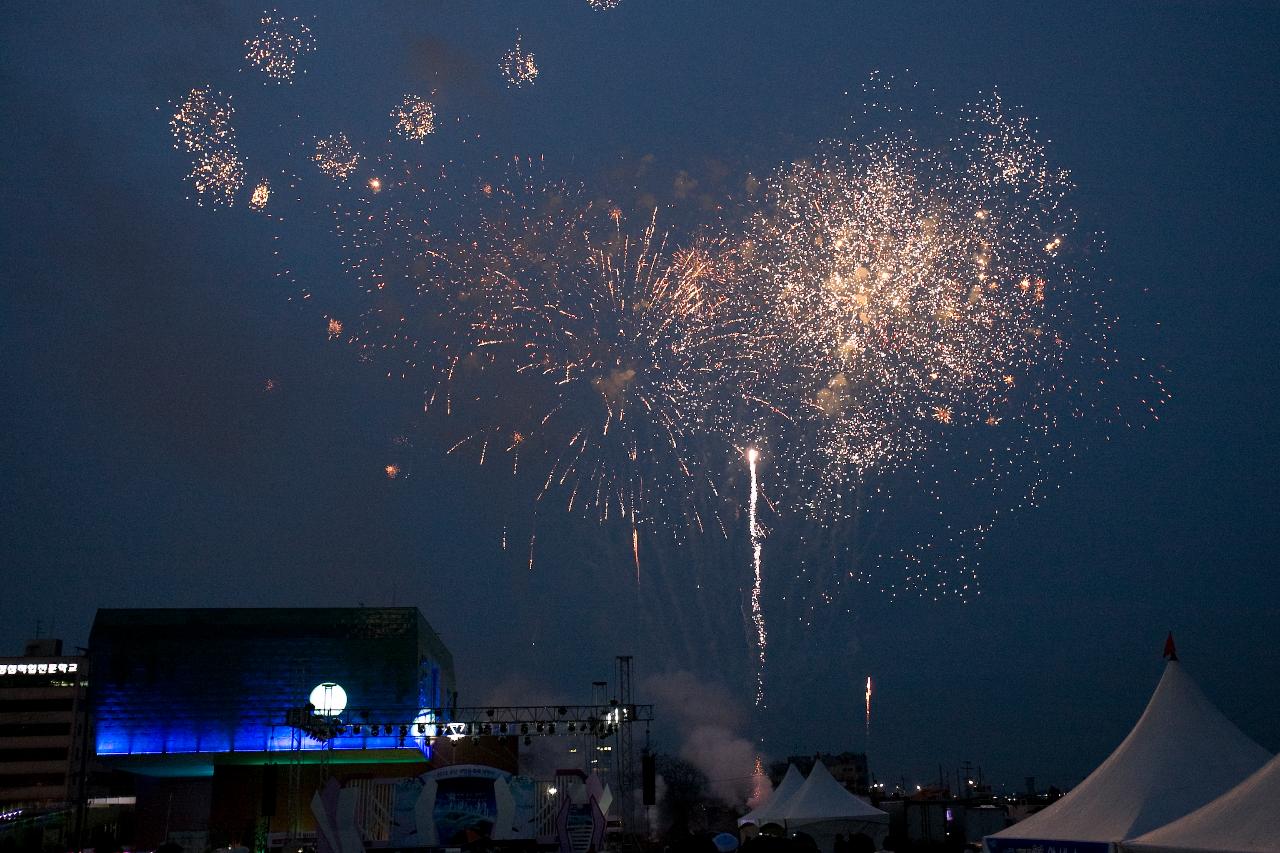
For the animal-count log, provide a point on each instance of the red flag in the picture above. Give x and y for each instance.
(1170, 651)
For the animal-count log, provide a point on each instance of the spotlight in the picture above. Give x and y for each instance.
(422, 728)
(561, 710)
(551, 728)
(528, 741)
(540, 728)
(503, 728)
(572, 728)
(524, 728)
(489, 713)
(355, 730)
(485, 729)
(404, 730)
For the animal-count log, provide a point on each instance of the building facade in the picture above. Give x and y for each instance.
(42, 727)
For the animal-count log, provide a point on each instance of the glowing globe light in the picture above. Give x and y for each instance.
(329, 699)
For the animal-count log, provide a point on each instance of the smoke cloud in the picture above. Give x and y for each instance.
(710, 721)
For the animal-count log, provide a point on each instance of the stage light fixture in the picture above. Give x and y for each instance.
(524, 728)
(528, 741)
(502, 728)
(422, 728)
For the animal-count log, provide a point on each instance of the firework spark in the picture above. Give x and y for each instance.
(277, 47)
(261, 195)
(415, 118)
(517, 66)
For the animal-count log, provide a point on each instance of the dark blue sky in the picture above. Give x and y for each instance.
(144, 466)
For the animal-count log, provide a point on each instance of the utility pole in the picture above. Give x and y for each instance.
(626, 760)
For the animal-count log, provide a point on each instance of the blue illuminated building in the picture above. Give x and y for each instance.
(218, 686)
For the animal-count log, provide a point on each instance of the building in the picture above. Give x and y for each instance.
(41, 726)
(848, 768)
(43, 760)
(228, 720)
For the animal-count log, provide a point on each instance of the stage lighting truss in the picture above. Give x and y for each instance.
(601, 721)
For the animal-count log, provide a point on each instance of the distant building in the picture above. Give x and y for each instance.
(42, 696)
(848, 768)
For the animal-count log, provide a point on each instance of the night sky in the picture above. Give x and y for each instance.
(144, 464)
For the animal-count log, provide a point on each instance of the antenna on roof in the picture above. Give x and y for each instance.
(1170, 650)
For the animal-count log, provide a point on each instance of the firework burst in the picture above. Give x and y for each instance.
(614, 340)
(335, 156)
(908, 290)
(278, 46)
(517, 66)
(415, 118)
(201, 127)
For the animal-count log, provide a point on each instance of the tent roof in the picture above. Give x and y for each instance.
(1243, 820)
(821, 797)
(771, 810)
(1181, 754)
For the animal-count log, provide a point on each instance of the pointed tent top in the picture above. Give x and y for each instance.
(1181, 754)
(821, 798)
(1245, 819)
(1170, 650)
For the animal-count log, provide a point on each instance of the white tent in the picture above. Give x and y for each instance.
(822, 808)
(1246, 819)
(1181, 754)
(771, 810)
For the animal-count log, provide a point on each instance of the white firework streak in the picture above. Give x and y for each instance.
(757, 611)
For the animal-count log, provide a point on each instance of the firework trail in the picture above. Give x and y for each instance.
(757, 609)
(868, 720)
